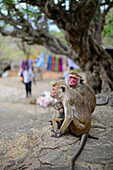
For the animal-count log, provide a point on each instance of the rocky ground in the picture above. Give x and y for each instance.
(25, 133)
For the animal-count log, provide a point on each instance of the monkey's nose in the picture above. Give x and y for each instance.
(53, 88)
(51, 94)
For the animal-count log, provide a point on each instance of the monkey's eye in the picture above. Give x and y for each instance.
(60, 108)
(73, 78)
(63, 89)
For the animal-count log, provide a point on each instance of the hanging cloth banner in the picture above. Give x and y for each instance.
(60, 64)
(52, 62)
(22, 64)
(30, 62)
(49, 62)
(40, 60)
(56, 63)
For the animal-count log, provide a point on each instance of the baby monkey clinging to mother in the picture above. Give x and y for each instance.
(77, 115)
(58, 116)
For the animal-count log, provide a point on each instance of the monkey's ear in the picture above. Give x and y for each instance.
(52, 83)
(81, 80)
(63, 88)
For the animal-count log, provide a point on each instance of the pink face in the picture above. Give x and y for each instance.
(56, 92)
(72, 80)
(53, 93)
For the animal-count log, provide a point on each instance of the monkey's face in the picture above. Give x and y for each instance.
(58, 92)
(60, 109)
(72, 80)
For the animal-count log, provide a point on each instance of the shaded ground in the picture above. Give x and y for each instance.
(25, 133)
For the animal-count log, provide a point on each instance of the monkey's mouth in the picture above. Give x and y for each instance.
(53, 94)
(71, 83)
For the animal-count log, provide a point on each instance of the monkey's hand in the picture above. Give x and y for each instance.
(51, 123)
(52, 130)
(57, 134)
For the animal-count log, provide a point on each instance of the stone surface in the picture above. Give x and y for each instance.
(111, 99)
(102, 99)
(25, 134)
(54, 157)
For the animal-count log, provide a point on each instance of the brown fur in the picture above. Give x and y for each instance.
(58, 116)
(85, 90)
(76, 109)
(77, 114)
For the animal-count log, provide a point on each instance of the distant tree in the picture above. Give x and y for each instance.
(82, 22)
(23, 47)
(28, 23)
(108, 27)
(1, 46)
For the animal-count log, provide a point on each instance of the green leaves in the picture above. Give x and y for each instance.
(106, 1)
(108, 28)
(8, 1)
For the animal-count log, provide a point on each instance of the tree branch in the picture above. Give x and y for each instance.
(106, 3)
(108, 8)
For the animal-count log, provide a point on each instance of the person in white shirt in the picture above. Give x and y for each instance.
(28, 76)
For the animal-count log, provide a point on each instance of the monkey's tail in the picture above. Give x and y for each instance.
(82, 144)
(98, 126)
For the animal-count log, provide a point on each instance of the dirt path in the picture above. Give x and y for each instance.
(14, 105)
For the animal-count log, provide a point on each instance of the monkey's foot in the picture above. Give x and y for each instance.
(50, 122)
(57, 134)
(52, 130)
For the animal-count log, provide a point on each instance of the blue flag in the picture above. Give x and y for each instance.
(40, 60)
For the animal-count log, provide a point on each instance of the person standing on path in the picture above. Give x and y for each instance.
(28, 76)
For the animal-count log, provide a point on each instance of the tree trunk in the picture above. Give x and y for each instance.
(97, 64)
(83, 23)
(101, 69)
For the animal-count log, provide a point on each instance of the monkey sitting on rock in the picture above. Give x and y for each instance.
(77, 115)
(58, 118)
(76, 82)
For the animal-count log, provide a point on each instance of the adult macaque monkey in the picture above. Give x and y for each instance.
(76, 82)
(58, 118)
(77, 114)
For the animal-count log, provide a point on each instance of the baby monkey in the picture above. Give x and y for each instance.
(58, 116)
